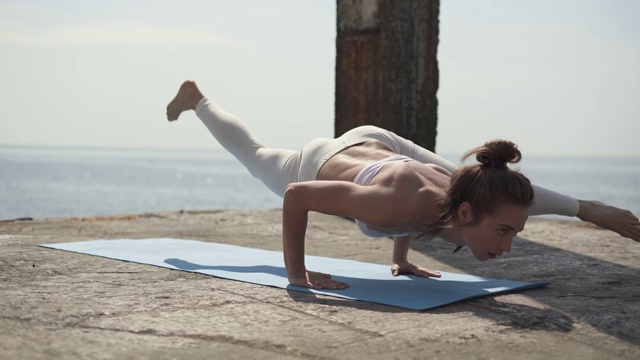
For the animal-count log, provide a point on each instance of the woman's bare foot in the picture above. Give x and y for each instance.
(186, 99)
(621, 221)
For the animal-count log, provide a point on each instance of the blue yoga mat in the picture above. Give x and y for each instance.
(369, 282)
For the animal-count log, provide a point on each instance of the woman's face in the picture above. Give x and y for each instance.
(494, 234)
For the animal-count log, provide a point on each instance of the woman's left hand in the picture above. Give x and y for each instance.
(408, 268)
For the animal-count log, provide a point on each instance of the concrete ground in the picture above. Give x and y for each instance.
(62, 305)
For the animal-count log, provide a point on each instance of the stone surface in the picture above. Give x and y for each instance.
(61, 305)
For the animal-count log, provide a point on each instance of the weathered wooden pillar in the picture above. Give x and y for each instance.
(386, 67)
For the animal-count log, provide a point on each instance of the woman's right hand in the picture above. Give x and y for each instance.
(316, 280)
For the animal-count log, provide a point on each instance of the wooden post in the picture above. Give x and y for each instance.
(386, 67)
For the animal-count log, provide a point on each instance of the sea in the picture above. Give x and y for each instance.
(58, 182)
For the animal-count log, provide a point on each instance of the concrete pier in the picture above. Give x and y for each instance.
(61, 305)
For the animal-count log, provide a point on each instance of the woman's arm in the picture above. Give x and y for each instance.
(401, 264)
(329, 197)
(294, 226)
(401, 245)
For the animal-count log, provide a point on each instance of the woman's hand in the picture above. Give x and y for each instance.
(405, 267)
(316, 280)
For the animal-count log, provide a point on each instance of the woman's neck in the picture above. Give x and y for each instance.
(452, 234)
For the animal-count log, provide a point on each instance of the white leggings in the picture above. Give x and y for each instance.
(277, 168)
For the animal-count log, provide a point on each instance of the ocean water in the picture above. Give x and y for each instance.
(49, 182)
(53, 182)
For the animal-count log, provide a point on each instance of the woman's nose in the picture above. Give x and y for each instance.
(506, 245)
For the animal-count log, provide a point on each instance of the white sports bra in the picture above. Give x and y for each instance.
(364, 178)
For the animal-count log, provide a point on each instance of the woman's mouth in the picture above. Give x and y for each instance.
(492, 256)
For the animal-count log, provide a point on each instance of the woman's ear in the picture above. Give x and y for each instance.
(465, 214)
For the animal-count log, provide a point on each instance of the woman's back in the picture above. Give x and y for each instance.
(413, 185)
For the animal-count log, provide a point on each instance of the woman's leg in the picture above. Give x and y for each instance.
(276, 168)
(546, 201)
(408, 148)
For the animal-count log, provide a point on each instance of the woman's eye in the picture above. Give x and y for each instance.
(502, 231)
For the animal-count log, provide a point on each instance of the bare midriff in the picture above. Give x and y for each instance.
(346, 164)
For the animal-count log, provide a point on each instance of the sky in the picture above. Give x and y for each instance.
(558, 77)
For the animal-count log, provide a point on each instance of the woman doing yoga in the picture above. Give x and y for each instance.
(392, 187)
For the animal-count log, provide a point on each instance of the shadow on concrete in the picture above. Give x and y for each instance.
(600, 293)
(515, 316)
(519, 316)
(510, 315)
(410, 293)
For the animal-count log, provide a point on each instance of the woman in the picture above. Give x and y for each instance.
(392, 187)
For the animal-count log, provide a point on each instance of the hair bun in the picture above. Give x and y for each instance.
(496, 154)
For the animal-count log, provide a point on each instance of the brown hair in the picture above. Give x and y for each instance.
(485, 185)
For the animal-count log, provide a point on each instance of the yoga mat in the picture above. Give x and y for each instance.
(369, 282)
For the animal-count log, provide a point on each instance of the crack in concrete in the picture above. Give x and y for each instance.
(278, 349)
(302, 312)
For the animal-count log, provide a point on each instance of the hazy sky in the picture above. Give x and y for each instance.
(555, 76)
